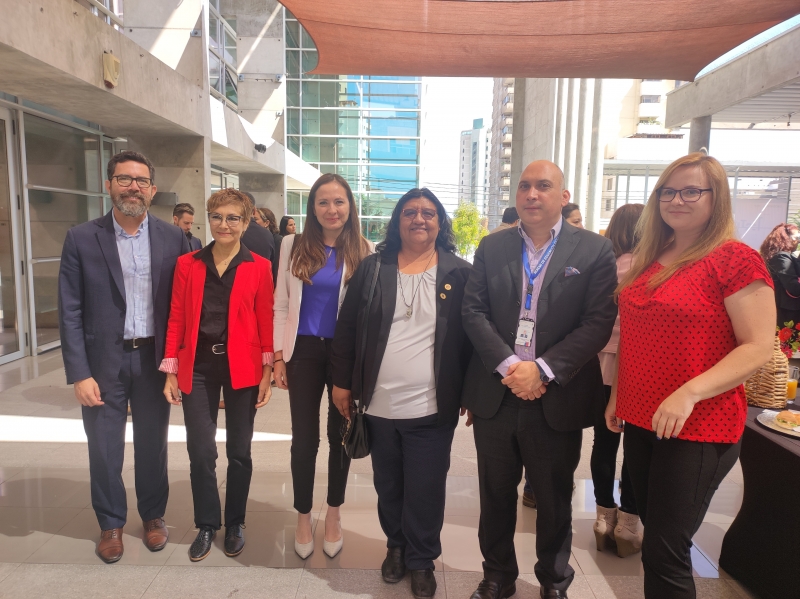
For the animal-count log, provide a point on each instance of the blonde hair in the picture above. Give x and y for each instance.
(655, 235)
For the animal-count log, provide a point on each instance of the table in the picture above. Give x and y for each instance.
(762, 546)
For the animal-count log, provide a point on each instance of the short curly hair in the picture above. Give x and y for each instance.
(779, 240)
(230, 197)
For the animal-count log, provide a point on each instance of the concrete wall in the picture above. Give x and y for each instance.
(268, 190)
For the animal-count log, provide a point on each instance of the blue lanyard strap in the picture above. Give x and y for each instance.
(532, 275)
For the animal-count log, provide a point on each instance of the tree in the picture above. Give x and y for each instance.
(467, 228)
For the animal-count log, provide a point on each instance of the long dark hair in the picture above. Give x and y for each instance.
(444, 241)
(284, 223)
(622, 228)
(308, 250)
(269, 217)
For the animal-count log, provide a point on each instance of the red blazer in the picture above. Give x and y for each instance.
(249, 320)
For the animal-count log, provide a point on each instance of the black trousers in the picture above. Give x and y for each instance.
(143, 385)
(200, 410)
(518, 435)
(604, 465)
(674, 481)
(410, 460)
(309, 374)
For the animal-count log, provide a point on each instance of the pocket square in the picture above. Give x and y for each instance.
(571, 271)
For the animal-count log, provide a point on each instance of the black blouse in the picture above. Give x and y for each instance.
(217, 295)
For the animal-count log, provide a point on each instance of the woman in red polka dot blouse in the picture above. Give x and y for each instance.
(697, 317)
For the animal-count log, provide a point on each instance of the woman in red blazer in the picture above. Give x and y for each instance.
(219, 337)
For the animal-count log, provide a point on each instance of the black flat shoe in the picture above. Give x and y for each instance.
(423, 583)
(489, 589)
(202, 544)
(234, 540)
(552, 594)
(393, 568)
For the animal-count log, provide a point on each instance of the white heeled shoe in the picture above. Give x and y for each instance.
(305, 549)
(331, 548)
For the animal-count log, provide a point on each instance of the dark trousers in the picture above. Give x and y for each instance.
(410, 460)
(518, 435)
(674, 481)
(309, 374)
(200, 410)
(604, 465)
(143, 385)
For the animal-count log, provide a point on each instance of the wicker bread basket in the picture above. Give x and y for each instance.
(767, 387)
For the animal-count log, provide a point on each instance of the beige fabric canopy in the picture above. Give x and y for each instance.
(660, 39)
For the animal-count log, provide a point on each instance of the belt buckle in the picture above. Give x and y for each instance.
(214, 349)
(135, 342)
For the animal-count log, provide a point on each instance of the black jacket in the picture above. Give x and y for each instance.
(784, 270)
(259, 241)
(452, 348)
(575, 316)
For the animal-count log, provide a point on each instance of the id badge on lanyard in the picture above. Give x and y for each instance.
(526, 325)
(525, 332)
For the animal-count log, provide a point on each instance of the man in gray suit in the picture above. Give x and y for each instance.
(538, 309)
(114, 292)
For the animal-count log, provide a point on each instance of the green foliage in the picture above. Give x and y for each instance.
(467, 228)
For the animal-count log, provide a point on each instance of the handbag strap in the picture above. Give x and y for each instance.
(364, 327)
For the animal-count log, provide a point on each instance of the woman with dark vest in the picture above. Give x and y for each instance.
(414, 361)
(219, 337)
(777, 251)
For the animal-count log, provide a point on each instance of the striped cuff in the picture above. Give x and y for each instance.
(267, 358)
(169, 365)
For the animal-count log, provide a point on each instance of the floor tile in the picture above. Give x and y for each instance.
(708, 539)
(6, 570)
(363, 584)
(47, 487)
(616, 587)
(463, 496)
(725, 504)
(52, 581)
(361, 495)
(24, 530)
(7, 474)
(269, 538)
(213, 583)
(594, 562)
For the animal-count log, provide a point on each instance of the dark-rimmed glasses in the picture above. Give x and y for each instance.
(688, 194)
(411, 213)
(126, 180)
(232, 220)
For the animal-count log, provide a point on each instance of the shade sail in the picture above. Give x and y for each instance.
(660, 39)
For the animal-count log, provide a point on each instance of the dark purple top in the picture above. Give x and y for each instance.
(320, 304)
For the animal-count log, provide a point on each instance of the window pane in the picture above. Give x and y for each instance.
(292, 34)
(216, 181)
(230, 48)
(293, 93)
(348, 122)
(108, 151)
(310, 149)
(392, 178)
(293, 121)
(310, 94)
(347, 150)
(327, 122)
(213, 31)
(53, 214)
(310, 122)
(45, 298)
(391, 95)
(231, 91)
(293, 202)
(308, 42)
(60, 156)
(310, 60)
(294, 144)
(293, 64)
(329, 94)
(9, 333)
(327, 149)
(400, 124)
(394, 150)
(374, 229)
(213, 71)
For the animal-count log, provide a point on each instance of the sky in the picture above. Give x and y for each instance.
(449, 105)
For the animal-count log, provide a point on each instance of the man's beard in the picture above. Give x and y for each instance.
(125, 203)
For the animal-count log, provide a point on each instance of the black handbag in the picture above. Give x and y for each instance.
(355, 439)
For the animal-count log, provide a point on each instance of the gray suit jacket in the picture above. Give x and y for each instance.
(91, 296)
(575, 316)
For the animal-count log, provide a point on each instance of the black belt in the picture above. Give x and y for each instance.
(214, 348)
(137, 342)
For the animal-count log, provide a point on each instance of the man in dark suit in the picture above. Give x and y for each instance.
(114, 292)
(538, 308)
(256, 238)
(183, 217)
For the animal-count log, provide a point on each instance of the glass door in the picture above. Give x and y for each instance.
(10, 290)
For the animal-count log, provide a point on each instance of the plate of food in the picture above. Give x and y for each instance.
(786, 422)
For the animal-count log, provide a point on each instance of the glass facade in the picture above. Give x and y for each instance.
(364, 128)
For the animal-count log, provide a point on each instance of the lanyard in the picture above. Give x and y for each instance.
(532, 275)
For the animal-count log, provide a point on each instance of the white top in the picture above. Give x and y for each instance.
(406, 387)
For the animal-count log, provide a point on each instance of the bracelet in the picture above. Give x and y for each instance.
(277, 360)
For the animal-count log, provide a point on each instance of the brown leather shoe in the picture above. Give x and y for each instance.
(110, 547)
(156, 534)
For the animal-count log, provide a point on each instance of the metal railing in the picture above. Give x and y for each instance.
(109, 15)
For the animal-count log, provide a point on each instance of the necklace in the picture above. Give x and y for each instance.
(410, 307)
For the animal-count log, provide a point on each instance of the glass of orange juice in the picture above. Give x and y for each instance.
(791, 385)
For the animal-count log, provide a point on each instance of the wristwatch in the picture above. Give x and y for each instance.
(542, 373)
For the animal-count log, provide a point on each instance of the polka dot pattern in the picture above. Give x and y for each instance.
(680, 330)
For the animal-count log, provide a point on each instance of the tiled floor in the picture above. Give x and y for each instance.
(48, 530)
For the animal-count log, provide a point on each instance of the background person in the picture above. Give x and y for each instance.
(257, 239)
(287, 226)
(314, 271)
(777, 251)
(183, 217)
(225, 345)
(414, 366)
(510, 219)
(680, 394)
(534, 381)
(113, 303)
(572, 214)
(271, 224)
(615, 528)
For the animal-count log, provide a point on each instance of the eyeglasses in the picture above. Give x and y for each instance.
(232, 220)
(411, 213)
(126, 180)
(688, 194)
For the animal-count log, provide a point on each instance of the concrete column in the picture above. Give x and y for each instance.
(700, 134)
(571, 134)
(582, 152)
(596, 158)
(561, 121)
(517, 138)
(268, 190)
